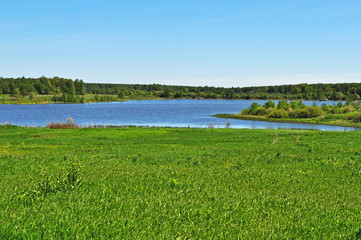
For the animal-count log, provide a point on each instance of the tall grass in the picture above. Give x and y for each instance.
(69, 124)
(164, 183)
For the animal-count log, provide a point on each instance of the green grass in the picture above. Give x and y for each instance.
(164, 183)
(328, 119)
(38, 99)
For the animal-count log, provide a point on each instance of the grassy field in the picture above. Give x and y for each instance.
(154, 183)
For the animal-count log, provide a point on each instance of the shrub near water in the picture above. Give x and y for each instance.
(340, 114)
(278, 113)
(307, 112)
(67, 125)
(355, 117)
(284, 109)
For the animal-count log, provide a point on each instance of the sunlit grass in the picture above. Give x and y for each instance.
(151, 183)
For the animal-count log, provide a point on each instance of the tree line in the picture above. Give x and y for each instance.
(340, 91)
(69, 90)
(43, 85)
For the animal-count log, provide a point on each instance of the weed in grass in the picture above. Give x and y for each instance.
(238, 166)
(69, 124)
(67, 179)
(134, 159)
(173, 183)
(275, 138)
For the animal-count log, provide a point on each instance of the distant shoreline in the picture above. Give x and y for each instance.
(287, 120)
(90, 98)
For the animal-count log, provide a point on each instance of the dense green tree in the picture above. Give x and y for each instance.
(166, 93)
(270, 104)
(16, 92)
(58, 86)
(253, 107)
(283, 105)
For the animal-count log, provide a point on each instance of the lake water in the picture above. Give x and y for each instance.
(172, 113)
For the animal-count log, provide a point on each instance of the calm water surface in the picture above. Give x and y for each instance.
(172, 113)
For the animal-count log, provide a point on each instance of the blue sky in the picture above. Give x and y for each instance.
(198, 42)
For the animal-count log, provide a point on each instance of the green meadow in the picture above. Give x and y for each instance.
(179, 183)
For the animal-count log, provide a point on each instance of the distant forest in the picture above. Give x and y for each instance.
(68, 90)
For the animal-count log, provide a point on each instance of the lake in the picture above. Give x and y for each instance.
(162, 113)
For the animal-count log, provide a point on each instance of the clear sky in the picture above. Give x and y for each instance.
(183, 42)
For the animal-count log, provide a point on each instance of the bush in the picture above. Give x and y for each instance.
(246, 111)
(314, 111)
(325, 107)
(308, 112)
(278, 113)
(253, 107)
(355, 117)
(270, 104)
(301, 104)
(294, 105)
(262, 111)
(347, 109)
(283, 105)
(335, 109)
